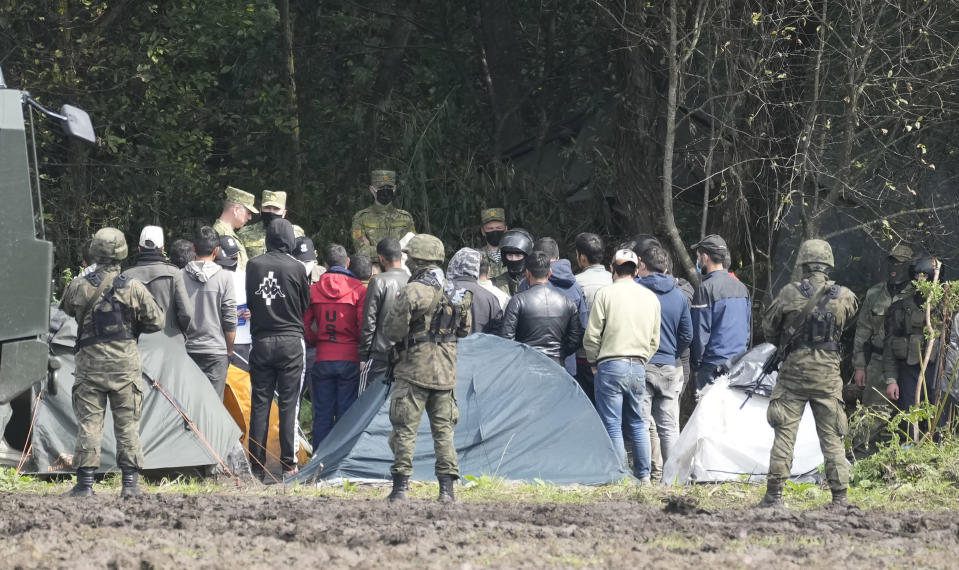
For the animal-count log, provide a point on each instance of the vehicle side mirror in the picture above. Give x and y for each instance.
(76, 123)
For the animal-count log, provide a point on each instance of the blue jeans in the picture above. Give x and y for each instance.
(334, 389)
(620, 386)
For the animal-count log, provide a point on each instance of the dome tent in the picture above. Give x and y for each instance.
(522, 417)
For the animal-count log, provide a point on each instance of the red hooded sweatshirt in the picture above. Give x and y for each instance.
(336, 306)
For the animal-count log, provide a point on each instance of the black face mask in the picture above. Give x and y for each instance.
(515, 268)
(901, 270)
(493, 237)
(385, 195)
(268, 217)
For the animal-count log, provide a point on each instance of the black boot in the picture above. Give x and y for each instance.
(130, 486)
(446, 488)
(839, 499)
(773, 497)
(84, 486)
(401, 487)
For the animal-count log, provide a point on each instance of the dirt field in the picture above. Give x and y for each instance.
(236, 531)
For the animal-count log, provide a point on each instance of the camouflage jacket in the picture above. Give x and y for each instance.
(808, 370)
(224, 229)
(114, 362)
(507, 284)
(870, 326)
(425, 364)
(372, 224)
(253, 238)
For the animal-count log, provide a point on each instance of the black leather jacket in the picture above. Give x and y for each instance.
(545, 319)
(380, 296)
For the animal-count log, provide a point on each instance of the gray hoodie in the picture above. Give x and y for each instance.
(208, 307)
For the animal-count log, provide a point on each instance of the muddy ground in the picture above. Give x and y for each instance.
(238, 531)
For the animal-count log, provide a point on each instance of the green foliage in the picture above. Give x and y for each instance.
(11, 481)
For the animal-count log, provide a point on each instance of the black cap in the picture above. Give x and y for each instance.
(228, 253)
(304, 250)
(713, 244)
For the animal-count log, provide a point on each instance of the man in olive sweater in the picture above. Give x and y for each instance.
(621, 336)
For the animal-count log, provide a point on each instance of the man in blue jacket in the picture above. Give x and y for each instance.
(562, 279)
(664, 373)
(721, 312)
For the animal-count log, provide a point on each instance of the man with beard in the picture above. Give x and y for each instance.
(382, 219)
(868, 346)
(515, 247)
(272, 207)
(493, 228)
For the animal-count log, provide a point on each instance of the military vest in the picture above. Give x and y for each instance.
(442, 317)
(110, 319)
(907, 331)
(818, 329)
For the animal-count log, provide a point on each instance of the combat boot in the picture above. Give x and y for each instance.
(840, 500)
(84, 486)
(773, 497)
(131, 488)
(401, 487)
(446, 488)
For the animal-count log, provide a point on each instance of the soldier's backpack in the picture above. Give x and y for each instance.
(444, 313)
(819, 329)
(110, 318)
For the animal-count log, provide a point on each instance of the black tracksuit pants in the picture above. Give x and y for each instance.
(276, 365)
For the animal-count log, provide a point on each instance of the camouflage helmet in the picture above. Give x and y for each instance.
(426, 248)
(901, 253)
(815, 251)
(109, 244)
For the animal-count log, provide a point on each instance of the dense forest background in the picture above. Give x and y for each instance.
(762, 121)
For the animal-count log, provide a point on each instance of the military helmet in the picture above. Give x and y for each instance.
(516, 241)
(109, 244)
(815, 251)
(426, 248)
(901, 253)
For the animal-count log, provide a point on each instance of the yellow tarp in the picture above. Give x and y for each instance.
(236, 398)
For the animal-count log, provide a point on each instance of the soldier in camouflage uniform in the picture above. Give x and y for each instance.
(111, 311)
(425, 321)
(253, 236)
(382, 219)
(905, 339)
(493, 228)
(237, 211)
(868, 346)
(806, 321)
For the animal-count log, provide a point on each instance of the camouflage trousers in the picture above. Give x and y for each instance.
(406, 409)
(873, 429)
(90, 398)
(784, 413)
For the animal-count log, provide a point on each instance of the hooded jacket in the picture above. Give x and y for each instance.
(206, 306)
(676, 325)
(486, 310)
(336, 306)
(277, 289)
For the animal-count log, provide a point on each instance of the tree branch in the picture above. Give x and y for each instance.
(865, 225)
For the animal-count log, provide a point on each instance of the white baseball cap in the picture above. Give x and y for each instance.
(151, 237)
(625, 256)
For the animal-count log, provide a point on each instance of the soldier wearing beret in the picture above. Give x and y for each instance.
(493, 228)
(237, 211)
(382, 219)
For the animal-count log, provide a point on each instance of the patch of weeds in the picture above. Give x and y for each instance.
(10, 481)
(677, 542)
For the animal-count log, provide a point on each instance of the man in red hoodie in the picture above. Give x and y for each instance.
(336, 310)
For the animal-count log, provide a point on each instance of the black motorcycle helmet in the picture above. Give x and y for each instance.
(519, 241)
(924, 264)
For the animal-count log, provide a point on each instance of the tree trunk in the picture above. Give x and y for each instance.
(296, 159)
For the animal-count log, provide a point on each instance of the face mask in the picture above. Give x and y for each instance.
(898, 273)
(493, 237)
(268, 217)
(699, 268)
(385, 195)
(515, 267)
